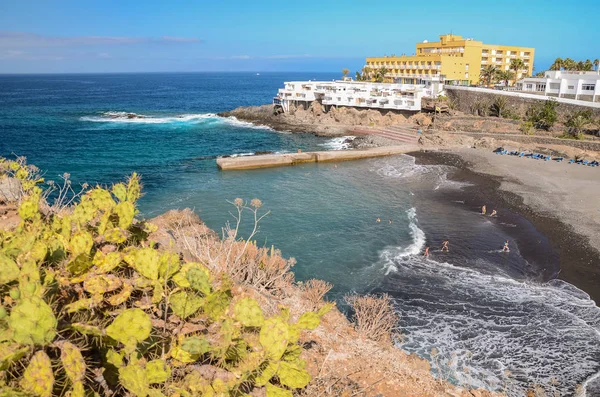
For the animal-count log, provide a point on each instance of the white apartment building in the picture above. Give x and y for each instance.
(357, 94)
(564, 84)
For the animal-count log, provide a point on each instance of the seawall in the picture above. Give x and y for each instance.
(287, 159)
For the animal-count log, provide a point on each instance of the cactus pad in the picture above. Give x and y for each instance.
(72, 361)
(130, 327)
(81, 244)
(274, 391)
(81, 304)
(185, 304)
(181, 277)
(216, 303)
(168, 265)
(126, 212)
(77, 390)
(133, 378)
(199, 279)
(29, 208)
(106, 262)
(144, 261)
(274, 337)
(115, 235)
(120, 191)
(122, 296)
(38, 378)
(293, 374)
(195, 346)
(101, 283)
(84, 212)
(133, 188)
(248, 312)
(157, 371)
(102, 199)
(308, 320)
(32, 322)
(9, 271)
(87, 329)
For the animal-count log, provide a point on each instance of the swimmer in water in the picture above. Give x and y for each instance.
(493, 213)
(390, 221)
(378, 220)
(505, 248)
(483, 210)
(426, 254)
(445, 246)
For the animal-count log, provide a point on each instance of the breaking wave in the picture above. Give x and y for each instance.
(134, 118)
(339, 143)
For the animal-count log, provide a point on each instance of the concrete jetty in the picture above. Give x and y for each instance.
(277, 160)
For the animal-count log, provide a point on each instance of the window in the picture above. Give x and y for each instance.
(541, 87)
(588, 87)
(529, 86)
(554, 86)
(467, 68)
(571, 87)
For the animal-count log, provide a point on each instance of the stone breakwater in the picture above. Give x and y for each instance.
(334, 122)
(277, 160)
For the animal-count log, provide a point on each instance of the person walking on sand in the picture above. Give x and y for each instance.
(505, 248)
(493, 213)
(483, 210)
(426, 254)
(445, 246)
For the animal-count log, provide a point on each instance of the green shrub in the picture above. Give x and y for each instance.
(543, 115)
(527, 128)
(91, 307)
(576, 122)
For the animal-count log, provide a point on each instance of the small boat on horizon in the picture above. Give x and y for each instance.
(258, 74)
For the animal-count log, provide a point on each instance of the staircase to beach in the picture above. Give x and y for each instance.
(400, 133)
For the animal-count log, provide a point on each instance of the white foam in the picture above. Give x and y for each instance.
(487, 324)
(133, 118)
(339, 143)
(391, 254)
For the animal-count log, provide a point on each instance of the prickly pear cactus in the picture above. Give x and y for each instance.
(293, 374)
(10, 353)
(38, 378)
(185, 304)
(120, 191)
(145, 261)
(32, 322)
(81, 244)
(130, 327)
(274, 337)
(133, 378)
(106, 262)
(102, 199)
(87, 329)
(72, 361)
(9, 271)
(157, 371)
(168, 265)
(274, 391)
(216, 303)
(98, 284)
(248, 312)
(126, 212)
(133, 188)
(122, 296)
(180, 278)
(199, 279)
(195, 345)
(309, 320)
(29, 208)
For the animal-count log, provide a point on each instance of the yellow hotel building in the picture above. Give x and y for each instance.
(454, 59)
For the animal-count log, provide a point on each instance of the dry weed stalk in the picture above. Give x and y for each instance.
(241, 259)
(313, 291)
(374, 317)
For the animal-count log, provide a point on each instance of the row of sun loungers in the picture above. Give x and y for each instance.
(538, 156)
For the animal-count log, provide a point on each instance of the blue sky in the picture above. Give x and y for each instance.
(38, 36)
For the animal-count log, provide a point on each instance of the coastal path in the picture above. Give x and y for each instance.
(400, 133)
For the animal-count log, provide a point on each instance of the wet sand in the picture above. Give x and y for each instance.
(561, 200)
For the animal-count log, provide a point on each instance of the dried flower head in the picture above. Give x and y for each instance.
(66, 175)
(85, 185)
(256, 203)
(238, 202)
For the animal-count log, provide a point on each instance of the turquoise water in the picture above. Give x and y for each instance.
(483, 310)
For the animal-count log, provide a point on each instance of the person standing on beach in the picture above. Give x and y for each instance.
(426, 254)
(505, 248)
(483, 210)
(445, 246)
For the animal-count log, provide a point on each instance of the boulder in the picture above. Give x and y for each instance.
(10, 190)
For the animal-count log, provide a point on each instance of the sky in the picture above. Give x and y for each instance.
(87, 36)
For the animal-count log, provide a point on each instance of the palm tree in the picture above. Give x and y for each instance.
(345, 72)
(366, 73)
(517, 65)
(569, 64)
(358, 76)
(588, 65)
(488, 73)
(597, 64)
(558, 64)
(505, 76)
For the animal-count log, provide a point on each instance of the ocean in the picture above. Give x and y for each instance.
(496, 319)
